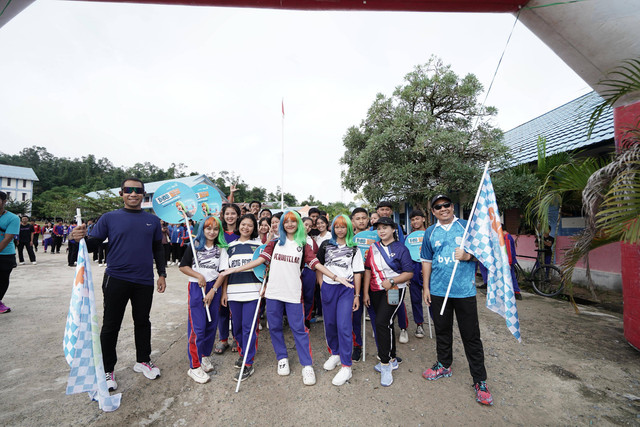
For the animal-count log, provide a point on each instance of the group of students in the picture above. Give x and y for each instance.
(302, 252)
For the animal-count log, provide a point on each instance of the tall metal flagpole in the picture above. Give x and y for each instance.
(282, 169)
(464, 236)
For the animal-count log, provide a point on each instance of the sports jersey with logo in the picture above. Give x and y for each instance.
(242, 286)
(342, 260)
(398, 255)
(286, 261)
(438, 247)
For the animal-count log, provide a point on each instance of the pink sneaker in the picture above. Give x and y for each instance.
(4, 308)
(483, 395)
(436, 371)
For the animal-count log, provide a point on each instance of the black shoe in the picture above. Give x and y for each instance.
(238, 363)
(357, 354)
(248, 371)
(518, 296)
(483, 286)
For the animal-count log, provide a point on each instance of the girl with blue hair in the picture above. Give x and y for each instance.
(340, 293)
(287, 256)
(209, 245)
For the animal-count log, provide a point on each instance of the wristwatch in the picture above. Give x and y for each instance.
(393, 282)
(162, 275)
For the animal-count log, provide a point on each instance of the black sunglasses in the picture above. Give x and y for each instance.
(442, 205)
(129, 190)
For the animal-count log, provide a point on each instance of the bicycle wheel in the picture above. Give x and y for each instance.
(547, 280)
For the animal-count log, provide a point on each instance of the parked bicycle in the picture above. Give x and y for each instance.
(546, 279)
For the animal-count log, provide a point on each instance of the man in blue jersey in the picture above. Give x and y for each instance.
(440, 250)
(135, 241)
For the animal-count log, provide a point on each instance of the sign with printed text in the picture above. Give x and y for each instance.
(173, 198)
(413, 242)
(364, 240)
(208, 199)
(261, 269)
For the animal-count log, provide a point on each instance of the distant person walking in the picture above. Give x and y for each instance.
(135, 241)
(58, 235)
(25, 240)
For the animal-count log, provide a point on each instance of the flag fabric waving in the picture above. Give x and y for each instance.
(81, 341)
(486, 242)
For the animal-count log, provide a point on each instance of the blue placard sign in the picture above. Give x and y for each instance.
(413, 242)
(364, 239)
(262, 268)
(171, 198)
(209, 198)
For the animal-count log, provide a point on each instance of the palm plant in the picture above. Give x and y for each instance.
(611, 197)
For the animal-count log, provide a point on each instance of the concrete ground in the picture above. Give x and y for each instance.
(571, 369)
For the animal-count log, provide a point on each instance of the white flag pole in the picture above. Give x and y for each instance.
(282, 169)
(78, 217)
(364, 332)
(253, 328)
(464, 236)
(195, 258)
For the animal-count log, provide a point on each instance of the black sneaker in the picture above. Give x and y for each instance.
(518, 296)
(357, 354)
(248, 371)
(238, 364)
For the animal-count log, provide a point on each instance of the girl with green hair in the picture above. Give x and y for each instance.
(340, 293)
(287, 256)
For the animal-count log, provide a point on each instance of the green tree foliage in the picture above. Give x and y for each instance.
(430, 136)
(337, 208)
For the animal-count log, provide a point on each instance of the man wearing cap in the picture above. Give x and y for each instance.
(385, 210)
(135, 241)
(9, 227)
(440, 250)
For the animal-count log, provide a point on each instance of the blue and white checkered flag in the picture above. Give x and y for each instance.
(486, 242)
(81, 341)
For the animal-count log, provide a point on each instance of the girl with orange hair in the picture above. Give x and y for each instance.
(340, 293)
(209, 245)
(287, 256)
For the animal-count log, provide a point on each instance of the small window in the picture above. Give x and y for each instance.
(8, 181)
(24, 196)
(24, 183)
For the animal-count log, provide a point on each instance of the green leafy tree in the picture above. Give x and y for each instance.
(18, 207)
(431, 135)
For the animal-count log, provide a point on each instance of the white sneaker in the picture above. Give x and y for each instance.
(283, 367)
(111, 381)
(331, 363)
(308, 375)
(149, 370)
(404, 336)
(343, 375)
(198, 375)
(22, 263)
(206, 364)
(259, 326)
(34, 263)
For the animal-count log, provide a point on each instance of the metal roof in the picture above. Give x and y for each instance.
(565, 129)
(17, 172)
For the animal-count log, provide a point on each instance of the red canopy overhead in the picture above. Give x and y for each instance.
(355, 5)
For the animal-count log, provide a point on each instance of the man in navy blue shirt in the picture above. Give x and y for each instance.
(135, 241)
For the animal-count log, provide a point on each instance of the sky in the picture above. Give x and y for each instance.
(204, 86)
